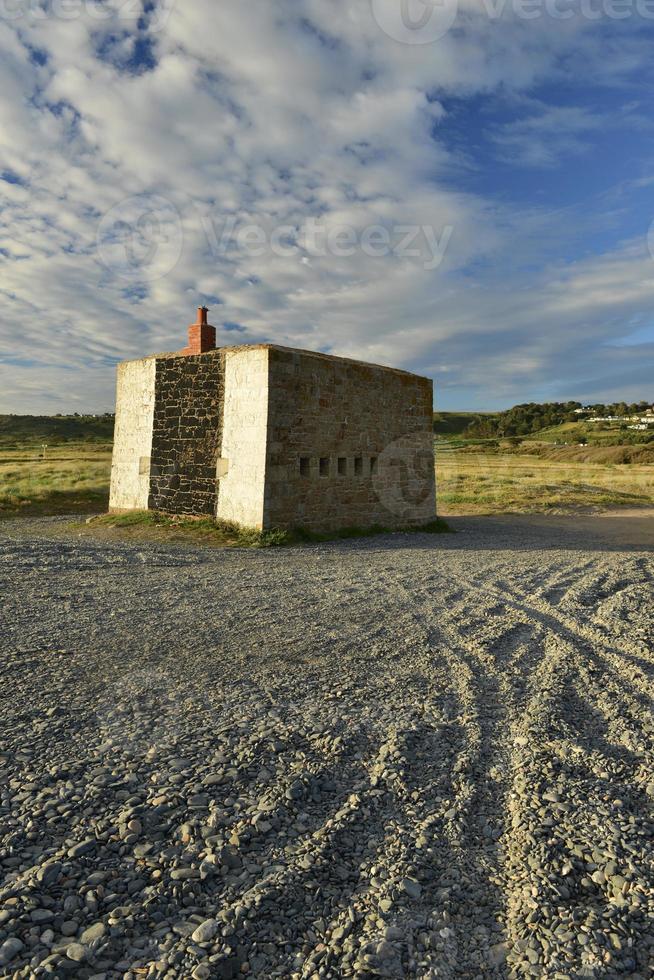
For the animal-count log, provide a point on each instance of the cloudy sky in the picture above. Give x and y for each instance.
(461, 190)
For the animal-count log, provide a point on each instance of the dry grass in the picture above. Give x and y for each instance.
(643, 454)
(501, 483)
(72, 479)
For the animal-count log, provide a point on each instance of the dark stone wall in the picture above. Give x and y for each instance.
(187, 434)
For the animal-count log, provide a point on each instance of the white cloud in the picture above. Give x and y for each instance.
(275, 115)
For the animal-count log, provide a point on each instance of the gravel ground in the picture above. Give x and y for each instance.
(407, 756)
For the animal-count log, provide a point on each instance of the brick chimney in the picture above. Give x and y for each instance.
(201, 335)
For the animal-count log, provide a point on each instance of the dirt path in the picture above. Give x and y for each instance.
(405, 756)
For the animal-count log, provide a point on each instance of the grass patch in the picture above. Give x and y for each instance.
(508, 483)
(73, 478)
(154, 526)
(65, 479)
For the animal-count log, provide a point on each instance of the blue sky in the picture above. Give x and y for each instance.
(469, 197)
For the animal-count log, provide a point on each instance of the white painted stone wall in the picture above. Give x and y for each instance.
(130, 466)
(245, 427)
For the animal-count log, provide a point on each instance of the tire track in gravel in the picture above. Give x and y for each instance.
(562, 624)
(575, 676)
(417, 768)
(487, 697)
(527, 956)
(523, 643)
(569, 794)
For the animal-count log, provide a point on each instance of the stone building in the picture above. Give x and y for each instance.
(267, 436)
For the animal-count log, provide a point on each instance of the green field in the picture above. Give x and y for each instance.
(512, 482)
(55, 464)
(72, 478)
(63, 466)
(593, 433)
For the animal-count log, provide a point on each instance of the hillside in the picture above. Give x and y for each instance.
(36, 429)
(456, 423)
(523, 420)
(564, 424)
(603, 454)
(591, 434)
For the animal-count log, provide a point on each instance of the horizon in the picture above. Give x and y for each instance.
(466, 194)
(443, 411)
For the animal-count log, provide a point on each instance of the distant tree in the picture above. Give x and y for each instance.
(523, 420)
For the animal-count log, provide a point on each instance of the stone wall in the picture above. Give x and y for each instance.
(271, 437)
(245, 424)
(130, 464)
(349, 444)
(187, 433)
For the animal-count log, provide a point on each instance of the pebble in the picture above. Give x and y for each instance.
(201, 972)
(184, 874)
(411, 887)
(93, 932)
(84, 847)
(76, 952)
(205, 931)
(10, 949)
(41, 915)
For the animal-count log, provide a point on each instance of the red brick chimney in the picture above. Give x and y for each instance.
(201, 335)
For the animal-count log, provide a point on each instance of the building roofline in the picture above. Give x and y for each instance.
(280, 347)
